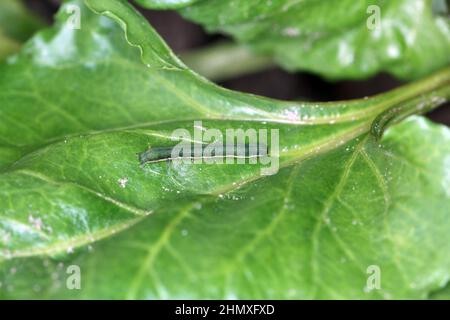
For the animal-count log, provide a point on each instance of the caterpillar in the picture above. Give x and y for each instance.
(246, 151)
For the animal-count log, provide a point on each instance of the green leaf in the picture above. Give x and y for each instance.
(442, 293)
(77, 105)
(332, 38)
(166, 4)
(16, 26)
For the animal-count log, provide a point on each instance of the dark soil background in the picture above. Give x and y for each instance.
(182, 35)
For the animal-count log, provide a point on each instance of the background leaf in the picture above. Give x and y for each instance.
(16, 26)
(332, 38)
(76, 107)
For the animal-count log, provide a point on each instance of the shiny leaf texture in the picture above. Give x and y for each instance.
(77, 105)
(335, 38)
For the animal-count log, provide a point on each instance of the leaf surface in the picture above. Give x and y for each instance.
(77, 105)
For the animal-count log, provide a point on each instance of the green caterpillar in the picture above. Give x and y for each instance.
(159, 154)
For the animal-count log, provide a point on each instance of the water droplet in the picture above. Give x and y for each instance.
(123, 182)
(198, 206)
(35, 222)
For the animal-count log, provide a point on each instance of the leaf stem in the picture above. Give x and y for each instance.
(416, 98)
(225, 60)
